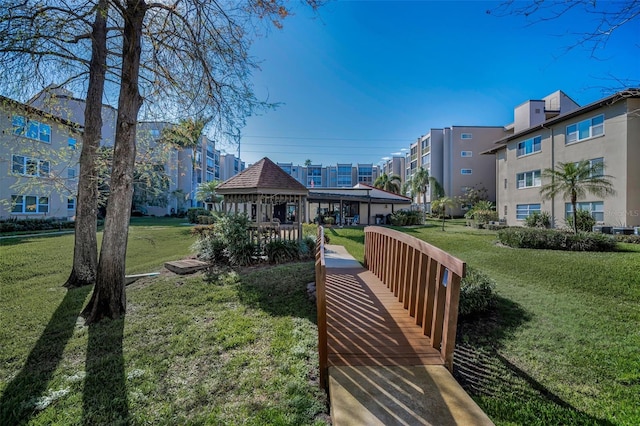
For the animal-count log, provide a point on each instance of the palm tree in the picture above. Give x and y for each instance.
(207, 193)
(389, 183)
(574, 180)
(442, 204)
(420, 185)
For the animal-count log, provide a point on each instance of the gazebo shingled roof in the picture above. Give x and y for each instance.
(263, 177)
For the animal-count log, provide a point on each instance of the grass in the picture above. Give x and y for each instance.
(561, 345)
(239, 350)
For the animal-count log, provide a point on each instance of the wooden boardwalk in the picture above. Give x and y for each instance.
(368, 326)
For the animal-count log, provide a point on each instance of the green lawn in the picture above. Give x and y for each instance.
(240, 350)
(562, 345)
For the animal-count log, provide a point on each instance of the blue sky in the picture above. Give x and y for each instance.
(360, 80)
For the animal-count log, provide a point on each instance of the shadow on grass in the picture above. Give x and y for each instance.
(28, 389)
(355, 238)
(504, 391)
(104, 398)
(280, 290)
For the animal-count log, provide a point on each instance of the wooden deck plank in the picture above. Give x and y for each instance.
(368, 326)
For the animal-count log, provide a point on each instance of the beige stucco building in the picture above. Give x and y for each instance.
(38, 162)
(451, 155)
(605, 131)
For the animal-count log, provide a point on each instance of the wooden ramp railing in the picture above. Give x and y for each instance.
(321, 306)
(424, 278)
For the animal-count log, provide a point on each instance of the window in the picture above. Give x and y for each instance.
(466, 154)
(155, 133)
(585, 129)
(524, 210)
(598, 165)
(72, 143)
(596, 208)
(529, 146)
(71, 203)
(466, 136)
(28, 166)
(31, 129)
(505, 183)
(466, 171)
(29, 204)
(71, 173)
(528, 179)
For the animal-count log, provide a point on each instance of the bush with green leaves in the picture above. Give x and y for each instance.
(194, 212)
(407, 217)
(538, 220)
(476, 292)
(552, 239)
(308, 247)
(630, 239)
(20, 225)
(226, 241)
(282, 251)
(584, 219)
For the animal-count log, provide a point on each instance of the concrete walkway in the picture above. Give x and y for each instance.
(339, 257)
(394, 394)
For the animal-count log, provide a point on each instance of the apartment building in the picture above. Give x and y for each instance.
(339, 176)
(605, 131)
(451, 155)
(39, 154)
(395, 165)
(183, 168)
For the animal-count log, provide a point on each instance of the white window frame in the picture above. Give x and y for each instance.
(72, 143)
(595, 209)
(531, 143)
(575, 132)
(41, 204)
(466, 154)
(521, 209)
(533, 177)
(466, 172)
(71, 173)
(71, 203)
(466, 136)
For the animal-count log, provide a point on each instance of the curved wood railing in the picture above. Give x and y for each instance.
(424, 278)
(321, 303)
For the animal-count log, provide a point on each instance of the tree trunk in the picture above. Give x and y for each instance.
(108, 299)
(574, 204)
(85, 252)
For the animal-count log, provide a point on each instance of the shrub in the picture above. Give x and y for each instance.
(206, 220)
(18, 225)
(481, 214)
(308, 247)
(404, 217)
(476, 292)
(496, 226)
(551, 239)
(631, 239)
(242, 253)
(538, 220)
(584, 219)
(282, 251)
(194, 212)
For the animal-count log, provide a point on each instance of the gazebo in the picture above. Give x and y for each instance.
(273, 199)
